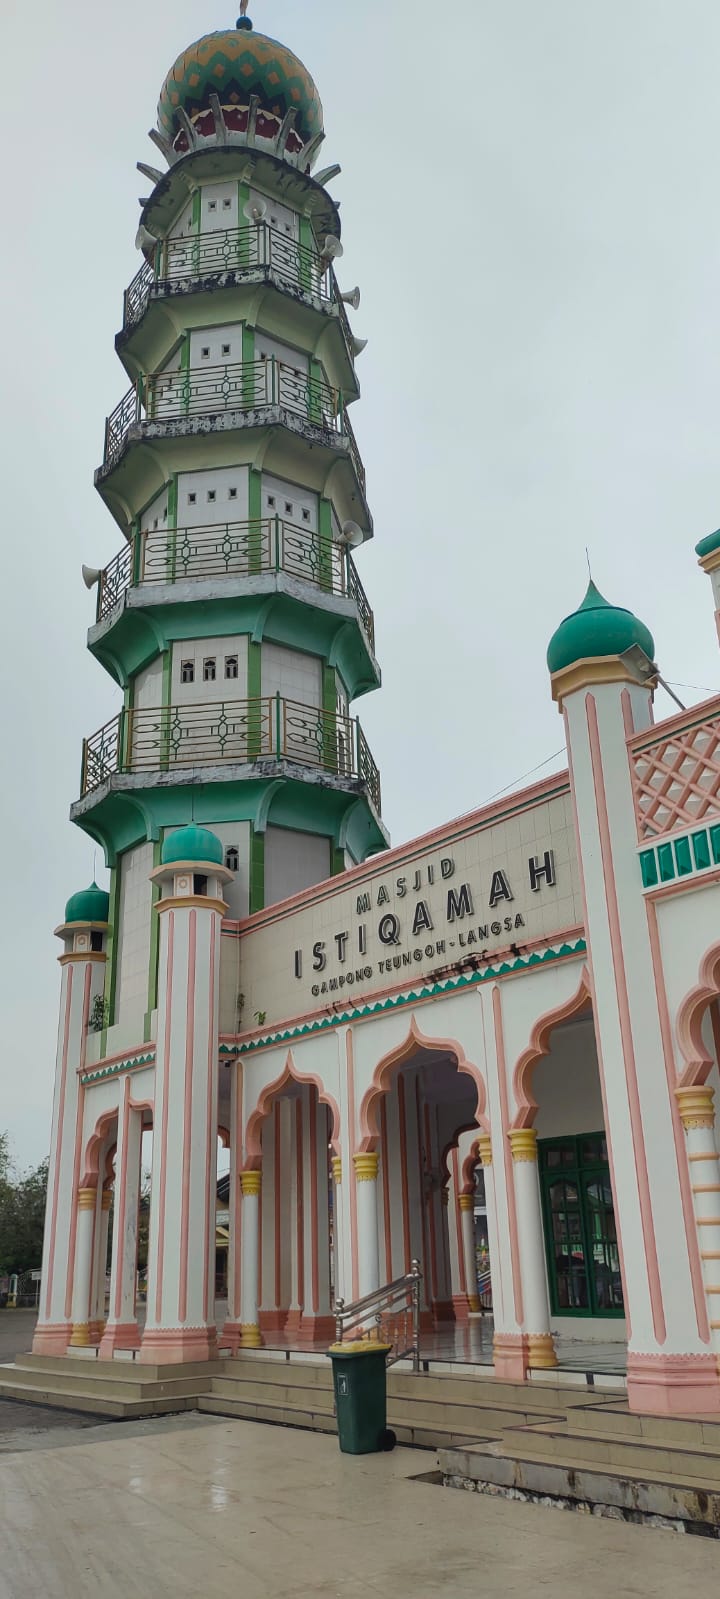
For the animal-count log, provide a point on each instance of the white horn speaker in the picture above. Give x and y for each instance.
(351, 535)
(255, 211)
(358, 346)
(353, 299)
(332, 248)
(91, 576)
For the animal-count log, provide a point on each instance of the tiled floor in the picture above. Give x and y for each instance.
(471, 1345)
(198, 1506)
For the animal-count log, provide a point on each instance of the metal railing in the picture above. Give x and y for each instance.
(236, 549)
(393, 1311)
(234, 386)
(247, 249)
(209, 733)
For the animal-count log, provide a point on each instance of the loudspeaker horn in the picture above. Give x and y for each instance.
(351, 535)
(255, 211)
(359, 345)
(91, 576)
(353, 299)
(332, 248)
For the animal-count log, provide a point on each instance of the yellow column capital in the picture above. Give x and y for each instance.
(466, 1201)
(523, 1143)
(250, 1183)
(696, 1106)
(484, 1144)
(366, 1167)
(106, 1198)
(87, 1198)
(336, 1164)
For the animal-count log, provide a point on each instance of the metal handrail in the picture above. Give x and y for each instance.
(379, 1304)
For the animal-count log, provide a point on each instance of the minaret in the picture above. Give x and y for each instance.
(66, 1309)
(233, 618)
(595, 682)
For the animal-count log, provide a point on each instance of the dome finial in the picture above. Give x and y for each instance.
(243, 20)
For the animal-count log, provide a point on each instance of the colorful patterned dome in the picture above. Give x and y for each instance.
(234, 65)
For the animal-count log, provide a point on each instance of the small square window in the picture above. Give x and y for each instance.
(271, 501)
(212, 205)
(212, 495)
(232, 494)
(288, 508)
(231, 666)
(187, 672)
(226, 205)
(226, 349)
(232, 858)
(200, 884)
(155, 523)
(306, 514)
(205, 351)
(192, 499)
(209, 669)
(96, 939)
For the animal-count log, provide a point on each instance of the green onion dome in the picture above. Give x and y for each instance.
(236, 64)
(596, 629)
(708, 545)
(90, 905)
(192, 844)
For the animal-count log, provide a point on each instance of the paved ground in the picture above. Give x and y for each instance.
(198, 1505)
(16, 1332)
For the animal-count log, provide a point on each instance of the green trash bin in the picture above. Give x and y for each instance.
(360, 1384)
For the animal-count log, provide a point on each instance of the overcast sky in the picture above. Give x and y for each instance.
(530, 206)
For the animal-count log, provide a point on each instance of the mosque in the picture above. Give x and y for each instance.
(496, 1043)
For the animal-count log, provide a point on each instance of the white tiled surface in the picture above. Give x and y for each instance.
(135, 913)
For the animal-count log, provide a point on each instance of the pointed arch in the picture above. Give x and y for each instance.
(539, 1046)
(467, 1170)
(93, 1149)
(697, 1061)
(397, 1058)
(289, 1074)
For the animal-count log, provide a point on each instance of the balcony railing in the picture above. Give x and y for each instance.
(675, 771)
(207, 734)
(236, 549)
(234, 386)
(247, 249)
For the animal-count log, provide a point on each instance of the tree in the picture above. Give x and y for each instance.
(22, 1214)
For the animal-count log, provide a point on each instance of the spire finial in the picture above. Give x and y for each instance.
(243, 20)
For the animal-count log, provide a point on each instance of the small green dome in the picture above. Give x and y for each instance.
(597, 628)
(192, 844)
(90, 905)
(708, 544)
(236, 64)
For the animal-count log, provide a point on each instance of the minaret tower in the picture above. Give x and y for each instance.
(233, 618)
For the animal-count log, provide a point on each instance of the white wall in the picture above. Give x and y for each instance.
(566, 1084)
(216, 346)
(293, 861)
(289, 501)
(147, 687)
(294, 675)
(134, 920)
(208, 498)
(200, 651)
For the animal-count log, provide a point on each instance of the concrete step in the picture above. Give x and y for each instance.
(90, 1369)
(615, 1420)
(107, 1385)
(91, 1402)
(287, 1395)
(634, 1457)
(571, 1481)
(314, 1419)
(481, 1388)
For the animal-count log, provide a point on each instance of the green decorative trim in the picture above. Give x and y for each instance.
(337, 861)
(131, 1063)
(680, 857)
(248, 375)
(257, 871)
(398, 1001)
(254, 510)
(243, 235)
(325, 541)
(254, 693)
(154, 944)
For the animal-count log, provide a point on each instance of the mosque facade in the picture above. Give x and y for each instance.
(514, 1017)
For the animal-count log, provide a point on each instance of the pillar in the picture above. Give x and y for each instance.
(230, 1338)
(537, 1337)
(338, 1228)
(102, 1221)
(250, 1336)
(180, 1323)
(698, 1118)
(466, 1206)
(82, 981)
(122, 1331)
(81, 1336)
(366, 1178)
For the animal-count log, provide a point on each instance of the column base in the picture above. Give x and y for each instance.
(250, 1336)
(121, 1335)
(315, 1329)
(443, 1311)
(541, 1352)
(230, 1336)
(97, 1329)
(461, 1309)
(177, 1346)
(293, 1323)
(474, 1305)
(673, 1385)
(52, 1338)
(514, 1354)
(80, 1337)
(273, 1320)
